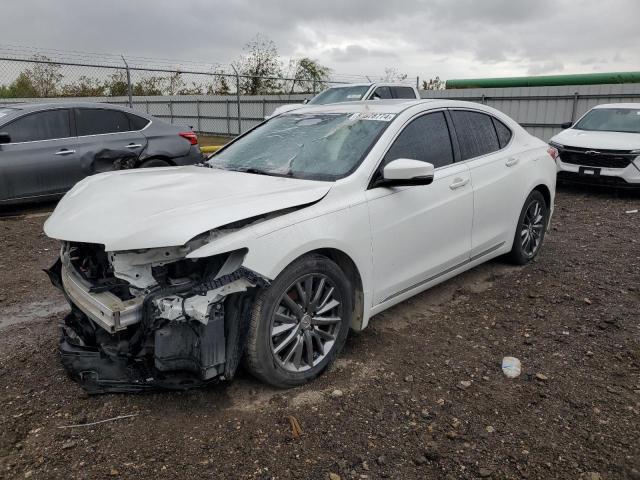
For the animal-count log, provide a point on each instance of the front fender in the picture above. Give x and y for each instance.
(346, 230)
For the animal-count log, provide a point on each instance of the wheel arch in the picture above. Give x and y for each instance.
(546, 193)
(164, 158)
(350, 269)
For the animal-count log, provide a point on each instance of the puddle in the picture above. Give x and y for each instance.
(27, 312)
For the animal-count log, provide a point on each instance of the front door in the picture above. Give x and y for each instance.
(420, 232)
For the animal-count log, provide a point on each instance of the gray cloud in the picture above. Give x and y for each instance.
(450, 38)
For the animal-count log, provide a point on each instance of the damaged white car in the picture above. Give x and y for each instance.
(296, 231)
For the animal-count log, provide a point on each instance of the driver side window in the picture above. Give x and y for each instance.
(426, 139)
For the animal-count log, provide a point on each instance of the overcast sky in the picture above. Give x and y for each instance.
(449, 38)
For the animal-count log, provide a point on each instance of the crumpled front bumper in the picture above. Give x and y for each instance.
(174, 355)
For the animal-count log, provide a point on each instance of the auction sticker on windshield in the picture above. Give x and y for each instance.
(382, 117)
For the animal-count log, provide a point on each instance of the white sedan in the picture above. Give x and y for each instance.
(307, 225)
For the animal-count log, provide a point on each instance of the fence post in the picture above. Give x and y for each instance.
(198, 115)
(171, 111)
(147, 102)
(126, 65)
(418, 82)
(264, 107)
(228, 117)
(484, 99)
(238, 99)
(574, 106)
(314, 86)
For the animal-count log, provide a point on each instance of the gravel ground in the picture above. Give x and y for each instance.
(419, 394)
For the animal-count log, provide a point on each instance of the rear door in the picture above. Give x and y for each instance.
(106, 136)
(41, 156)
(496, 170)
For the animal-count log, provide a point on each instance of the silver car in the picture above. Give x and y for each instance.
(45, 149)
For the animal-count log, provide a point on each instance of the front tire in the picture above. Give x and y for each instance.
(531, 229)
(154, 162)
(299, 323)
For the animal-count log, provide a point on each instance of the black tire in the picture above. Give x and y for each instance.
(523, 252)
(154, 162)
(260, 358)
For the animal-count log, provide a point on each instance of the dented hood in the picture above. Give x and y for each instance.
(161, 207)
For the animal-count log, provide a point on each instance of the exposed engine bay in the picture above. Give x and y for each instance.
(152, 318)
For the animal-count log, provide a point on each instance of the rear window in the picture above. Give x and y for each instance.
(504, 133)
(476, 134)
(90, 121)
(403, 92)
(137, 123)
(381, 93)
(46, 125)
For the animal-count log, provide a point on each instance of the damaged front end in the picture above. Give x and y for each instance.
(152, 318)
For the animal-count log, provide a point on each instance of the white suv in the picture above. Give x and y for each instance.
(354, 92)
(602, 147)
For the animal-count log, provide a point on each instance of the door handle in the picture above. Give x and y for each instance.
(134, 145)
(64, 151)
(511, 161)
(458, 182)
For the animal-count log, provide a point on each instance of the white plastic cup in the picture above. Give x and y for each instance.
(511, 367)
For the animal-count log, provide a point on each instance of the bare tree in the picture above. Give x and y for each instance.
(44, 77)
(391, 74)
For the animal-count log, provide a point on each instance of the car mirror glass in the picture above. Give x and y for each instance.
(5, 137)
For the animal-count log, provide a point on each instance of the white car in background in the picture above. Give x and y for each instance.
(287, 237)
(354, 92)
(602, 147)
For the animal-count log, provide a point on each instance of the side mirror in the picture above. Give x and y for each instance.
(405, 172)
(5, 137)
(305, 101)
(566, 125)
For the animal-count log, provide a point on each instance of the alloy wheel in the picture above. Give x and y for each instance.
(532, 228)
(305, 323)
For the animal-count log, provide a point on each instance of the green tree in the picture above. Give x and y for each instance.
(21, 87)
(84, 87)
(148, 86)
(309, 75)
(259, 61)
(117, 85)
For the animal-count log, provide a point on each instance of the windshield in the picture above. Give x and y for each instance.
(6, 110)
(306, 146)
(339, 94)
(611, 120)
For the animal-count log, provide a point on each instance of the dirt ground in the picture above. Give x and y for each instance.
(419, 394)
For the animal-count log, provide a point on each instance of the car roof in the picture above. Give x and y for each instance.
(619, 105)
(34, 107)
(370, 84)
(385, 106)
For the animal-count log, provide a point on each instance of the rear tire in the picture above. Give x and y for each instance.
(299, 324)
(154, 162)
(531, 229)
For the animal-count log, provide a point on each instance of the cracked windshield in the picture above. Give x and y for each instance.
(305, 146)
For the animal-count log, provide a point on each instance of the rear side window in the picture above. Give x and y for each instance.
(476, 133)
(403, 92)
(137, 123)
(381, 93)
(504, 134)
(39, 126)
(426, 138)
(90, 121)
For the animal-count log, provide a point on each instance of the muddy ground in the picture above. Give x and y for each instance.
(419, 394)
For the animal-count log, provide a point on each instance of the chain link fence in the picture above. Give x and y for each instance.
(204, 97)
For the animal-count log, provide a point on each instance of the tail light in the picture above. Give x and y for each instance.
(192, 137)
(553, 152)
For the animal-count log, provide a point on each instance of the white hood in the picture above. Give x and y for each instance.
(162, 207)
(598, 140)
